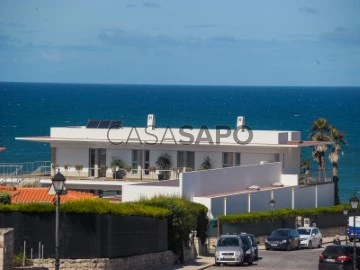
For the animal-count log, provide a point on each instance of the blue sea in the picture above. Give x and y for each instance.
(30, 109)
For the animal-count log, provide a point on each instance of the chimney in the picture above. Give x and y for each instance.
(240, 121)
(151, 121)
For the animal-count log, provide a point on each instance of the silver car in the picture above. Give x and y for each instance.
(229, 250)
(310, 237)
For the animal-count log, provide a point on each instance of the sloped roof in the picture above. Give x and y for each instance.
(32, 195)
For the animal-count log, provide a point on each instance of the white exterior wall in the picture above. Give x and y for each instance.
(73, 156)
(215, 157)
(136, 192)
(290, 179)
(256, 158)
(291, 160)
(304, 197)
(194, 184)
(123, 154)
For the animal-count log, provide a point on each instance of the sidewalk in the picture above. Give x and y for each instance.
(203, 262)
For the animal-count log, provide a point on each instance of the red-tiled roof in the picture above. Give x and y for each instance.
(30, 195)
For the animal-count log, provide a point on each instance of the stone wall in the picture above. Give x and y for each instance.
(6, 248)
(140, 262)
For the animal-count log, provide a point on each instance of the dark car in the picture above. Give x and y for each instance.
(286, 239)
(254, 245)
(338, 257)
(248, 249)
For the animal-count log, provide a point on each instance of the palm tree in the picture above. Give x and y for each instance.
(338, 137)
(305, 164)
(320, 133)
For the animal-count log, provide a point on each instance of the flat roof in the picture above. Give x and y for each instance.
(243, 191)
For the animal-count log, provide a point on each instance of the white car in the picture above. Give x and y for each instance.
(310, 237)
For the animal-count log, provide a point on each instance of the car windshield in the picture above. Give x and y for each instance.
(304, 231)
(228, 241)
(281, 233)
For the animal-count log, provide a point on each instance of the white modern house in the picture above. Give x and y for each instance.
(240, 157)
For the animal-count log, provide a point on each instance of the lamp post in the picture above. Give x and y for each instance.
(272, 205)
(345, 212)
(58, 182)
(354, 201)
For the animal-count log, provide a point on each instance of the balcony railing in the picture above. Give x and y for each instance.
(315, 177)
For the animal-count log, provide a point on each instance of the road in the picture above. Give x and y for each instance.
(283, 260)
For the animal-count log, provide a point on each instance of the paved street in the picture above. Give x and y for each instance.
(296, 259)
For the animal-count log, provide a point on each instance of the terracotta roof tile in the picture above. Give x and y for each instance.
(30, 195)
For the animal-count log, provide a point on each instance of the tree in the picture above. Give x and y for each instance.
(305, 165)
(320, 133)
(338, 137)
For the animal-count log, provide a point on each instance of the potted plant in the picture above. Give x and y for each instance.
(54, 166)
(164, 163)
(116, 166)
(79, 168)
(103, 169)
(206, 164)
(67, 168)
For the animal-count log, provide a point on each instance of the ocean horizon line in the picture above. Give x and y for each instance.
(182, 85)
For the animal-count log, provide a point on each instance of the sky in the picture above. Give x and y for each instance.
(181, 42)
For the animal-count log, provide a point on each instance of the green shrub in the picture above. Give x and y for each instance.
(5, 197)
(185, 216)
(18, 260)
(88, 206)
(279, 214)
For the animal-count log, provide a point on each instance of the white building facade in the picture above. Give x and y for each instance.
(241, 158)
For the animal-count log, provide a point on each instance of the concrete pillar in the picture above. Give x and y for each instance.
(6, 248)
(225, 206)
(249, 202)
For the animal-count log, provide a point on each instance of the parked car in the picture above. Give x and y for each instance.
(285, 238)
(229, 250)
(310, 237)
(255, 244)
(338, 257)
(249, 255)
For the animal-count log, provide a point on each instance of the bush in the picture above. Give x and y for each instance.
(185, 216)
(5, 197)
(279, 214)
(18, 260)
(90, 206)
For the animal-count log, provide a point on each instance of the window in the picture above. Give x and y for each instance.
(146, 161)
(228, 159)
(186, 159)
(237, 159)
(135, 161)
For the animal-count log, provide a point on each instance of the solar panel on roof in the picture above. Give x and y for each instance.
(92, 124)
(115, 124)
(104, 124)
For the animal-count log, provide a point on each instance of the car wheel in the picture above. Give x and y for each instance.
(288, 247)
(310, 245)
(267, 248)
(320, 244)
(217, 264)
(351, 239)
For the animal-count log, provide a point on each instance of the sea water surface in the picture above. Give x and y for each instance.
(30, 109)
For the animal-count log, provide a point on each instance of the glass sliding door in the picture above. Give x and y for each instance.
(91, 162)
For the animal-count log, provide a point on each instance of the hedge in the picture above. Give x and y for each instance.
(279, 214)
(88, 206)
(185, 216)
(5, 197)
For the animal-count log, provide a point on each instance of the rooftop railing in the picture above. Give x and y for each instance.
(314, 177)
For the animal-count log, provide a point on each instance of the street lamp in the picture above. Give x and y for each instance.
(345, 212)
(58, 182)
(354, 201)
(272, 205)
